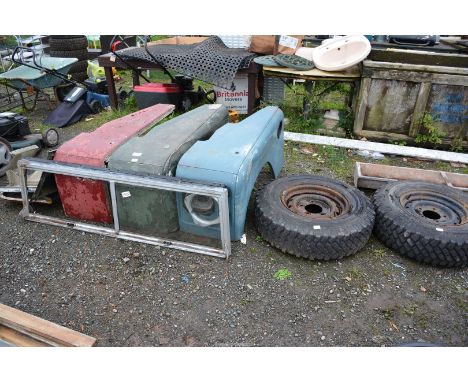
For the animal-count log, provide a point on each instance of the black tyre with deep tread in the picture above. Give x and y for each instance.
(407, 222)
(79, 66)
(65, 37)
(80, 54)
(80, 77)
(313, 236)
(74, 43)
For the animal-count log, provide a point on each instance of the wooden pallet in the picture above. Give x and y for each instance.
(18, 328)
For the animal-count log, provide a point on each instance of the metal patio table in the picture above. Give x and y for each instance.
(108, 61)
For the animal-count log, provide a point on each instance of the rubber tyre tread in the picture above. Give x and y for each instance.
(74, 43)
(415, 237)
(79, 66)
(294, 234)
(80, 54)
(80, 76)
(65, 37)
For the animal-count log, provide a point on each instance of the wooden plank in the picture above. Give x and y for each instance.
(386, 136)
(361, 105)
(398, 75)
(419, 57)
(384, 148)
(419, 108)
(373, 176)
(15, 338)
(415, 68)
(314, 74)
(43, 330)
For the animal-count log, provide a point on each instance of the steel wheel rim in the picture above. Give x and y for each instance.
(435, 207)
(315, 202)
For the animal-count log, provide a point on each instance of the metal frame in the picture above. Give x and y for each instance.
(217, 192)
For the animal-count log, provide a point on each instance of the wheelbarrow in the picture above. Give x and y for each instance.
(36, 75)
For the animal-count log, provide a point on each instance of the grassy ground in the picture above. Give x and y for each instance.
(323, 97)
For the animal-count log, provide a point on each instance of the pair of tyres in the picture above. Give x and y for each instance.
(325, 219)
(68, 43)
(71, 47)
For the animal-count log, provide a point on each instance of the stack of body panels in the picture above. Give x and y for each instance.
(154, 212)
(85, 199)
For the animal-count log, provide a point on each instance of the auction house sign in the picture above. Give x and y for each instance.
(236, 99)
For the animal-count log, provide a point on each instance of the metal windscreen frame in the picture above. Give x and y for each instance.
(217, 192)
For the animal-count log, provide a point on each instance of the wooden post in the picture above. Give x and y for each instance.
(362, 105)
(136, 77)
(252, 87)
(113, 99)
(309, 88)
(419, 108)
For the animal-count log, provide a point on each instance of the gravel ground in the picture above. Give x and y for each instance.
(131, 294)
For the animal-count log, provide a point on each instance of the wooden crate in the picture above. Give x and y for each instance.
(393, 97)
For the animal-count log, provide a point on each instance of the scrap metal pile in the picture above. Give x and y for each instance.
(192, 176)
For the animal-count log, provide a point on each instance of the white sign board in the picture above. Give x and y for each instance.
(236, 99)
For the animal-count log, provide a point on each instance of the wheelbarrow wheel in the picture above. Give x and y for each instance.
(424, 221)
(314, 217)
(5, 156)
(50, 137)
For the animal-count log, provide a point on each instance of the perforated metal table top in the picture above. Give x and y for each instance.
(210, 61)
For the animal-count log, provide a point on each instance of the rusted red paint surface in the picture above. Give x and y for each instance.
(89, 200)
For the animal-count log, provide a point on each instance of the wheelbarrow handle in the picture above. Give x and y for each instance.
(114, 43)
(17, 50)
(37, 66)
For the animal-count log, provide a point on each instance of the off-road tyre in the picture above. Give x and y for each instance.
(73, 43)
(311, 235)
(80, 54)
(406, 221)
